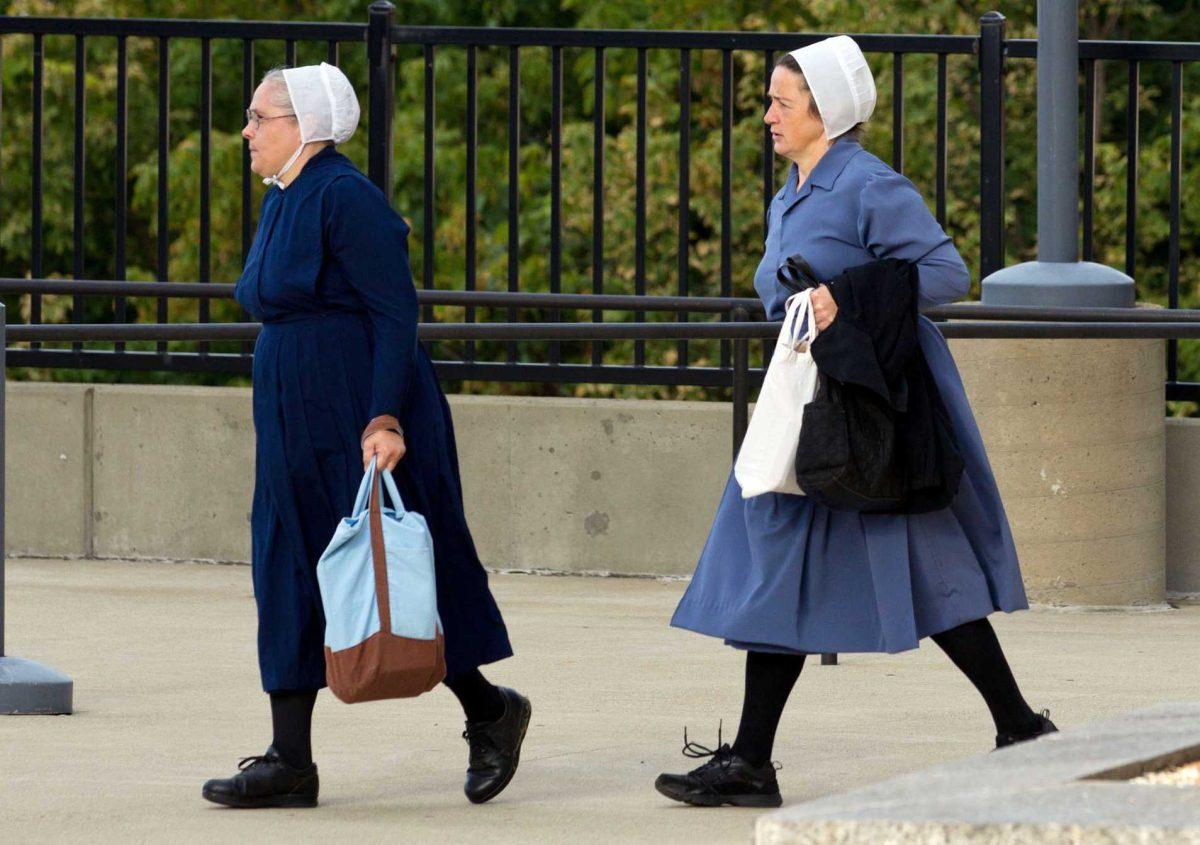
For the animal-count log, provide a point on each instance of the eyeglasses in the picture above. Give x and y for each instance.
(254, 119)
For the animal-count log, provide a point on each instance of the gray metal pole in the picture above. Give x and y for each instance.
(1058, 278)
(26, 687)
(1058, 131)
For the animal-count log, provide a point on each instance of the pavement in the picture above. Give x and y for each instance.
(167, 695)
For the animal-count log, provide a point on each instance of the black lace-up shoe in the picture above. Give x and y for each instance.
(1044, 726)
(265, 781)
(496, 748)
(727, 778)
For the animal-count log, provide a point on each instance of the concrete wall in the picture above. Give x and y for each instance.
(168, 472)
(1074, 430)
(1075, 433)
(1183, 506)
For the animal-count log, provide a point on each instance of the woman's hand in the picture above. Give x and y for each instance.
(388, 446)
(824, 308)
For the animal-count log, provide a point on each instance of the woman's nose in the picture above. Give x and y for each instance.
(247, 132)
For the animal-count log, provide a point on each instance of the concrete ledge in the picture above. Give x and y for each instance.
(600, 485)
(1183, 485)
(48, 450)
(1074, 431)
(173, 479)
(1059, 789)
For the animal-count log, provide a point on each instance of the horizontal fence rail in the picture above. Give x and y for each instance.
(740, 378)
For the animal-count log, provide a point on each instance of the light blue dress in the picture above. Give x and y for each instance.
(780, 573)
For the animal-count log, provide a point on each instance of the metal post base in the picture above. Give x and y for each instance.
(1048, 283)
(829, 660)
(29, 688)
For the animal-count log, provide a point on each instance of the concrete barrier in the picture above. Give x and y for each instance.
(1076, 436)
(1074, 429)
(1183, 514)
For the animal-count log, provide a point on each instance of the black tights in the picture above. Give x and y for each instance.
(291, 714)
(972, 647)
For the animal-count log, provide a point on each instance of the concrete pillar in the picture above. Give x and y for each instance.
(1076, 436)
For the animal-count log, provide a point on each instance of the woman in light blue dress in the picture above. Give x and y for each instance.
(781, 576)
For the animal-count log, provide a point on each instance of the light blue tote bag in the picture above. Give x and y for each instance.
(383, 637)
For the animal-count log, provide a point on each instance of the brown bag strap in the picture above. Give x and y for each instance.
(379, 557)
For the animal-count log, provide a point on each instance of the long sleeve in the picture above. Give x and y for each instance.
(369, 241)
(894, 222)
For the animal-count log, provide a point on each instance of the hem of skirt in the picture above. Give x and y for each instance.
(498, 652)
(278, 686)
(729, 634)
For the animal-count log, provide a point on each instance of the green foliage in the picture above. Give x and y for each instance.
(1164, 20)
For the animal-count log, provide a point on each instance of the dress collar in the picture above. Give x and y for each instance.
(824, 175)
(323, 158)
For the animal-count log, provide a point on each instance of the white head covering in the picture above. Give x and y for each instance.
(325, 105)
(840, 81)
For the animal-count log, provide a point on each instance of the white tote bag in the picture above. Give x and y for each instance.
(766, 463)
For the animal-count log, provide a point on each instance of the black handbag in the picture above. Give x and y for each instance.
(848, 457)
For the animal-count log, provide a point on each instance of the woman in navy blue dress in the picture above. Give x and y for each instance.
(340, 378)
(781, 576)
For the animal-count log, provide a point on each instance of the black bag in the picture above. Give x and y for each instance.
(876, 437)
(848, 457)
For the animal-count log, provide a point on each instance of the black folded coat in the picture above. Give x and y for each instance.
(876, 437)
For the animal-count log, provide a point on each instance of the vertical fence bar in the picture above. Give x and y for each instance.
(332, 53)
(121, 181)
(768, 147)
(991, 146)
(35, 300)
(1089, 156)
(898, 112)
(941, 140)
(382, 91)
(77, 264)
(430, 193)
(290, 53)
(1176, 176)
(247, 196)
(726, 186)
(556, 126)
(1131, 169)
(472, 168)
(205, 178)
(598, 196)
(514, 185)
(740, 383)
(247, 93)
(164, 196)
(685, 140)
(639, 223)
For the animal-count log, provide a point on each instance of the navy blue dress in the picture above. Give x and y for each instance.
(328, 277)
(781, 573)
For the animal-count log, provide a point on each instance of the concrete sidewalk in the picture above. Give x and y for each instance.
(167, 695)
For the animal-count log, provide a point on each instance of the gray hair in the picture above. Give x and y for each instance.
(279, 96)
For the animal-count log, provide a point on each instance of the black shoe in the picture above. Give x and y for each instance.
(265, 781)
(496, 748)
(727, 778)
(1044, 726)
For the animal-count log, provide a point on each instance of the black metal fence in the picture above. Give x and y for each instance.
(380, 38)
